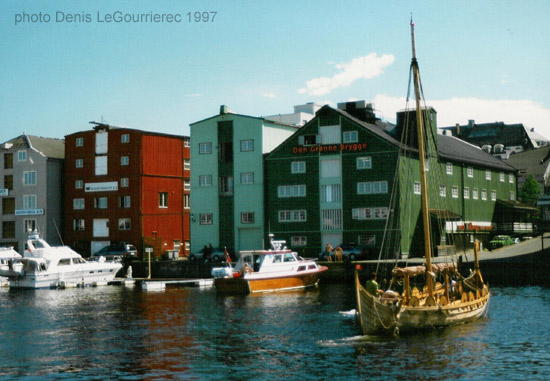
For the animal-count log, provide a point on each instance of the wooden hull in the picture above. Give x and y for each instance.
(377, 317)
(253, 283)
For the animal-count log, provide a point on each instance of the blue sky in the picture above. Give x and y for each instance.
(484, 60)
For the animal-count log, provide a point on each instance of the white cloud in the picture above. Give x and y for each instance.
(367, 67)
(270, 95)
(460, 110)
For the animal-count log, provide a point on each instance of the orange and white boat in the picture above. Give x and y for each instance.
(276, 269)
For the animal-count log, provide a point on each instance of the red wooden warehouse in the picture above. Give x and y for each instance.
(127, 185)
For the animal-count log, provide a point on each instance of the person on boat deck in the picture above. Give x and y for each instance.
(372, 286)
(328, 250)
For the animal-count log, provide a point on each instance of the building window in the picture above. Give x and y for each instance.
(488, 174)
(417, 188)
(493, 195)
(466, 193)
(501, 177)
(124, 160)
(8, 229)
(284, 191)
(186, 164)
(21, 155)
(205, 180)
(186, 202)
(225, 152)
(205, 148)
(79, 163)
(247, 217)
(512, 196)
(8, 182)
(454, 192)
(205, 218)
(78, 184)
(124, 182)
(350, 137)
(78, 224)
(79, 142)
(443, 191)
(186, 185)
(331, 219)
(475, 194)
(449, 168)
(29, 178)
(8, 161)
(292, 215)
(298, 240)
(470, 172)
(366, 239)
(309, 140)
(100, 202)
(29, 225)
(298, 167)
(361, 213)
(226, 185)
(78, 203)
(29, 201)
(8, 205)
(163, 199)
(484, 194)
(374, 187)
(124, 201)
(186, 143)
(125, 138)
(381, 213)
(247, 145)
(100, 165)
(331, 193)
(247, 178)
(124, 224)
(511, 179)
(364, 162)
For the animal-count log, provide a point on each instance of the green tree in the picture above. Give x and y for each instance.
(529, 191)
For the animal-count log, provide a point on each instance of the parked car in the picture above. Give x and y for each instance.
(217, 255)
(500, 241)
(349, 253)
(116, 252)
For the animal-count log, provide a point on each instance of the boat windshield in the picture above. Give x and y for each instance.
(290, 257)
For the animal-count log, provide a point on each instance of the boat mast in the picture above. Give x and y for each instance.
(422, 160)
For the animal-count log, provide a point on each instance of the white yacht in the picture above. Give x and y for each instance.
(7, 256)
(44, 266)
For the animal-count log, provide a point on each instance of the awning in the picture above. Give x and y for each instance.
(516, 205)
(444, 214)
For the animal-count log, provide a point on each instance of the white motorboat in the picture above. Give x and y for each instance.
(45, 266)
(7, 256)
(276, 269)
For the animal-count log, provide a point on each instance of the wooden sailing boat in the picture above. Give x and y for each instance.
(435, 305)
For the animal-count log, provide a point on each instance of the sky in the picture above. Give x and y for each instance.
(66, 63)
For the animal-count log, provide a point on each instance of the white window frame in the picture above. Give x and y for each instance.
(79, 142)
(205, 180)
(298, 167)
(247, 145)
(124, 160)
(364, 162)
(29, 201)
(206, 219)
(125, 201)
(298, 215)
(205, 148)
(484, 194)
(124, 224)
(186, 201)
(78, 184)
(501, 177)
(79, 163)
(284, 191)
(29, 178)
(475, 194)
(449, 168)
(300, 240)
(79, 225)
(78, 204)
(487, 174)
(101, 203)
(417, 188)
(466, 193)
(186, 164)
(454, 192)
(125, 138)
(22, 155)
(470, 172)
(247, 217)
(186, 185)
(247, 178)
(163, 200)
(511, 178)
(124, 182)
(350, 137)
(442, 191)
(493, 195)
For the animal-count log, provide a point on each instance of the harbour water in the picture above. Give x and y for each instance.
(117, 332)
